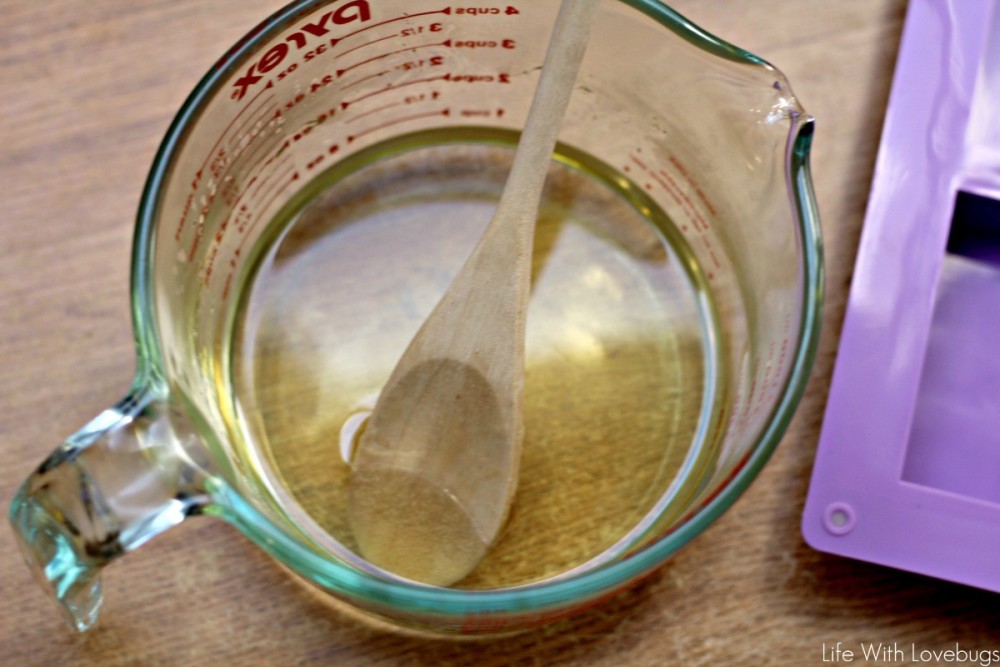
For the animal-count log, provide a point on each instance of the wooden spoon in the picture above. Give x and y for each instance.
(435, 470)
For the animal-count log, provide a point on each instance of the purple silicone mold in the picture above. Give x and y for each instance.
(908, 468)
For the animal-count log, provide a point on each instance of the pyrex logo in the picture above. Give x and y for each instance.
(349, 12)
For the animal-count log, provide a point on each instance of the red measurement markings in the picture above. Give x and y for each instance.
(770, 382)
(433, 61)
(252, 153)
(276, 188)
(701, 194)
(396, 121)
(481, 113)
(196, 181)
(225, 184)
(252, 121)
(487, 11)
(280, 184)
(341, 72)
(235, 208)
(244, 156)
(409, 100)
(670, 186)
(388, 89)
(374, 111)
(363, 79)
(501, 77)
(210, 264)
(268, 197)
(696, 217)
(256, 179)
(337, 40)
(196, 241)
(316, 161)
(361, 46)
(183, 222)
(211, 153)
(262, 181)
(228, 286)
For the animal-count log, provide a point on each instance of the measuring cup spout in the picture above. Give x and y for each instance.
(125, 477)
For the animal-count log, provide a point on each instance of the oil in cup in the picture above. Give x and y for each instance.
(615, 345)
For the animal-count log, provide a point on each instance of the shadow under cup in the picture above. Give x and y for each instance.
(312, 201)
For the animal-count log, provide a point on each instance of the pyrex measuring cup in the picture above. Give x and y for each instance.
(312, 199)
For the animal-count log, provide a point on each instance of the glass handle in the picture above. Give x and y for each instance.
(130, 474)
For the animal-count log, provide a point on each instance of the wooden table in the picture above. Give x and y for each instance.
(88, 88)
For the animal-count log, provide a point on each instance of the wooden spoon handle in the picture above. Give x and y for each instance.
(562, 62)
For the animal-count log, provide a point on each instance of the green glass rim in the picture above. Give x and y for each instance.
(534, 598)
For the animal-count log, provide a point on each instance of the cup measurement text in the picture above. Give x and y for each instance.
(261, 128)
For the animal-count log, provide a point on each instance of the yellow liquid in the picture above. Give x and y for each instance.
(617, 359)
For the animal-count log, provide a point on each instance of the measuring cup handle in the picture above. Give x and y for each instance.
(124, 478)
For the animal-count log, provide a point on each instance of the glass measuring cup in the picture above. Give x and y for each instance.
(354, 96)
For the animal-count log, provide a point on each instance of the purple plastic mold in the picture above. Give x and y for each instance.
(908, 468)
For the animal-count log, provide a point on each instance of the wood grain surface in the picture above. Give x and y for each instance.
(87, 89)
